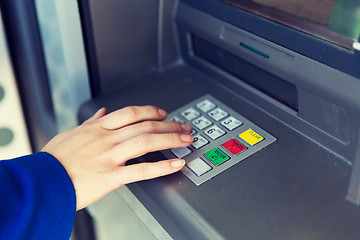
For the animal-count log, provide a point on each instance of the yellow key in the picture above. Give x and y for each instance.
(251, 137)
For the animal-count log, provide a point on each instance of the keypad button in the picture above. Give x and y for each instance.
(251, 137)
(199, 141)
(176, 119)
(201, 122)
(234, 146)
(206, 105)
(190, 114)
(217, 114)
(193, 132)
(181, 152)
(231, 123)
(216, 156)
(199, 167)
(214, 132)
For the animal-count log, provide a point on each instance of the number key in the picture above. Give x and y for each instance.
(181, 152)
(214, 132)
(205, 105)
(176, 119)
(201, 122)
(218, 114)
(199, 141)
(231, 123)
(190, 114)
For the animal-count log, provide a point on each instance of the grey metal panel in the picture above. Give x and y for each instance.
(168, 52)
(125, 34)
(120, 215)
(353, 193)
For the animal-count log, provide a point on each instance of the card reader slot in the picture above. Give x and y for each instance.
(275, 87)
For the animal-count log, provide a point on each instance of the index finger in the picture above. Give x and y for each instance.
(130, 115)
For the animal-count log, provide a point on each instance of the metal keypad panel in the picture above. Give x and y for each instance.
(222, 138)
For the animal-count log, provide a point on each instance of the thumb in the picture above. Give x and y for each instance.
(144, 171)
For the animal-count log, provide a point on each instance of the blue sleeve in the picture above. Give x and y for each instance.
(37, 199)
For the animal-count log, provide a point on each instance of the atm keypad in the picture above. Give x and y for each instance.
(222, 138)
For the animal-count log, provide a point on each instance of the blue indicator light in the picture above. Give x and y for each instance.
(254, 50)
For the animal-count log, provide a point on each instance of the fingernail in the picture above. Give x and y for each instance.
(100, 109)
(186, 138)
(177, 163)
(163, 113)
(186, 127)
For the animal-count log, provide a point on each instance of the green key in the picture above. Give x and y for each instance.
(216, 156)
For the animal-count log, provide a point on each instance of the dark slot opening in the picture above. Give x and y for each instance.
(273, 86)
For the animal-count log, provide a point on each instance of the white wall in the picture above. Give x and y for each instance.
(14, 140)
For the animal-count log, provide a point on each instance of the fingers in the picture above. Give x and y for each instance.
(142, 144)
(144, 171)
(151, 127)
(99, 114)
(130, 115)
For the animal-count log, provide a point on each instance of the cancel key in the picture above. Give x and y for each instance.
(234, 146)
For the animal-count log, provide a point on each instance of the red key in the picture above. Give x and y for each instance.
(234, 146)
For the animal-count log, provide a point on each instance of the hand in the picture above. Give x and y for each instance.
(94, 154)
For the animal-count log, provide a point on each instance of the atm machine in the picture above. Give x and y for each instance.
(288, 77)
(271, 89)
